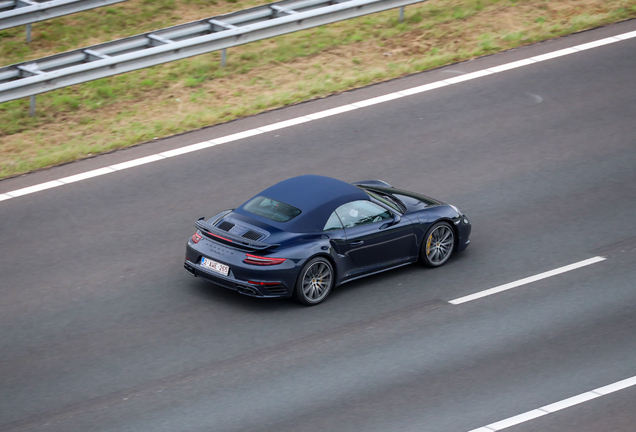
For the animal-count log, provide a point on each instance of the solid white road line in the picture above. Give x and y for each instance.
(558, 406)
(284, 124)
(527, 280)
(331, 112)
(377, 100)
(316, 116)
(34, 188)
(86, 175)
(137, 162)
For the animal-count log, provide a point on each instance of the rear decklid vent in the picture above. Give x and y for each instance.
(225, 226)
(237, 236)
(252, 235)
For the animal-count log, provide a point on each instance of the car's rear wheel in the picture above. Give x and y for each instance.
(438, 244)
(315, 282)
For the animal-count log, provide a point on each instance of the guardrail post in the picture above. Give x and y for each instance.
(32, 107)
(28, 33)
(175, 43)
(402, 14)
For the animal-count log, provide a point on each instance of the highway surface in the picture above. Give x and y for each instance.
(101, 328)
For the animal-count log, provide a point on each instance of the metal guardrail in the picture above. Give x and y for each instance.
(179, 42)
(15, 13)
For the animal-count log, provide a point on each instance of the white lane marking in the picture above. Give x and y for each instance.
(567, 403)
(527, 280)
(236, 136)
(512, 65)
(316, 116)
(330, 112)
(423, 88)
(377, 100)
(188, 149)
(468, 76)
(284, 124)
(620, 385)
(595, 44)
(87, 175)
(34, 188)
(521, 418)
(558, 406)
(137, 162)
(625, 36)
(554, 54)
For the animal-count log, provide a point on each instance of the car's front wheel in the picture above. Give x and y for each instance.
(315, 282)
(438, 244)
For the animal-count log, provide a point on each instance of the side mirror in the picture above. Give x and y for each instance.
(396, 219)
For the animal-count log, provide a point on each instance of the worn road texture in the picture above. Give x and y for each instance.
(102, 330)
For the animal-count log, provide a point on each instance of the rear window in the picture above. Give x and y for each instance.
(271, 209)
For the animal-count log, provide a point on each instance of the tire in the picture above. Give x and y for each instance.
(314, 282)
(438, 244)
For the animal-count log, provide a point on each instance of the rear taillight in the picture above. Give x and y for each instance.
(196, 237)
(218, 236)
(264, 261)
(264, 283)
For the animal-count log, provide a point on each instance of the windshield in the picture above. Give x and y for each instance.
(389, 200)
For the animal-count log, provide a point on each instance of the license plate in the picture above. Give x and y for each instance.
(215, 266)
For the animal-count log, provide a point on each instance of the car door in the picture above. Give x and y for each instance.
(376, 236)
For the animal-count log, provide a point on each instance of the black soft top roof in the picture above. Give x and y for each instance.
(316, 196)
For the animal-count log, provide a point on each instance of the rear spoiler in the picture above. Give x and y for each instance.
(216, 234)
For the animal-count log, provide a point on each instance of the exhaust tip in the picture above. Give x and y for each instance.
(189, 269)
(248, 291)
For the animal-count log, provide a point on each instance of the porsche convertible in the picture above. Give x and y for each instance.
(306, 235)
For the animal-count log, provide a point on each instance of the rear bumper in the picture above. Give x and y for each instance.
(238, 286)
(266, 282)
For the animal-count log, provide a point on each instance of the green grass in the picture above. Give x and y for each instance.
(124, 110)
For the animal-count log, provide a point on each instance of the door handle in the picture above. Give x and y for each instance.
(357, 243)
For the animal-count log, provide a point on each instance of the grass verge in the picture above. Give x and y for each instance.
(125, 110)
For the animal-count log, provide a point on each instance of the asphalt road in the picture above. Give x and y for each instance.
(101, 329)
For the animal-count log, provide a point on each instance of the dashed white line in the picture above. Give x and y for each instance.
(512, 421)
(567, 403)
(315, 116)
(527, 280)
(557, 406)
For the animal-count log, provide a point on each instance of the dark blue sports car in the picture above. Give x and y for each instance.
(306, 235)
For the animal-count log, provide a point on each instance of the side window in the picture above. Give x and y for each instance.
(333, 223)
(358, 213)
